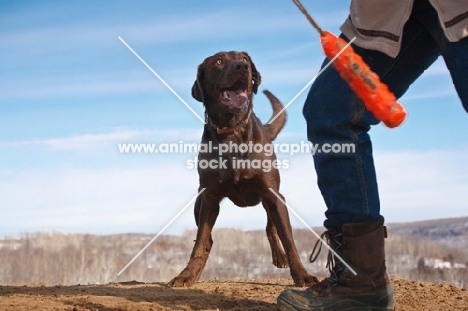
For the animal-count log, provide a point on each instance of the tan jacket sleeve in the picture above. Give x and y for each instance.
(378, 24)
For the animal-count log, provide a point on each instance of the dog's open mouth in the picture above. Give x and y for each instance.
(235, 97)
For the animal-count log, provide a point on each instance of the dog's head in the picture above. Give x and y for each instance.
(227, 80)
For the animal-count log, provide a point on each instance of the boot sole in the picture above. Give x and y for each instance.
(381, 301)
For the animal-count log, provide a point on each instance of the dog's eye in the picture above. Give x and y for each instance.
(219, 61)
(245, 60)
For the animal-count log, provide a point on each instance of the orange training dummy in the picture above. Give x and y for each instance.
(376, 96)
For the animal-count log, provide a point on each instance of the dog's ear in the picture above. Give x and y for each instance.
(256, 77)
(197, 88)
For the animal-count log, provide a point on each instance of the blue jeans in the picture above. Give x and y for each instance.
(334, 114)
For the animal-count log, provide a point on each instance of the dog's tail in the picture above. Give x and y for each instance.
(278, 119)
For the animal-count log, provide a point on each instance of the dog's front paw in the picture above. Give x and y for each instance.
(306, 281)
(184, 279)
(279, 259)
(311, 280)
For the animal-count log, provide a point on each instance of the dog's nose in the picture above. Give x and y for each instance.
(241, 66)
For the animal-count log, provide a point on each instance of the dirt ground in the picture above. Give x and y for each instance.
(212, 295)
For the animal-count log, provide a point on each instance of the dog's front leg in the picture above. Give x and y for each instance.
(280, 219)
(277, 253)
(206, 212)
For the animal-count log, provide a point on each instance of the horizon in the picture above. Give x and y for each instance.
(184, 231)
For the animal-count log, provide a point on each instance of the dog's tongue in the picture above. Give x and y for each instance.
(237, 99)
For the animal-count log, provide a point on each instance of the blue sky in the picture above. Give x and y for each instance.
(70, 91)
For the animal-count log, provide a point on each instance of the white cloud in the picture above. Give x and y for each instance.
(137, 83)
(171, 27)
(106, 200)
(430, 93)
(61, 88)
(423, 184)
(116, 82)
(413, 186)
(437, 68)
(35, 55)
(100, 141)
(435, 82)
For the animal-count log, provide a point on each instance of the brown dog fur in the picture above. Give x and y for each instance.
(225, 85)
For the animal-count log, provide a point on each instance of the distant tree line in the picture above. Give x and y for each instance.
(66, 259)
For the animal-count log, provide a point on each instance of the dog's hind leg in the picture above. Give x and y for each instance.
(206, 212)
(277, 253)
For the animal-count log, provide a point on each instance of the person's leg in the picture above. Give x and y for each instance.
(334, 114)
(455, 54)
(348, 181)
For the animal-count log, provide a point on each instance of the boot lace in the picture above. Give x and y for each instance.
(335, 267)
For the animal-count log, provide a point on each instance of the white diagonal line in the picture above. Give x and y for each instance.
(310, 82)
(160, 232)
(313, 231)
(162, 80)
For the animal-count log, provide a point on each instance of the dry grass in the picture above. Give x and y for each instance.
(65, 259)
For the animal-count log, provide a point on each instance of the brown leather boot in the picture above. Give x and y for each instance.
(361, 245)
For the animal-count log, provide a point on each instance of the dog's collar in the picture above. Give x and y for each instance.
(228, 130)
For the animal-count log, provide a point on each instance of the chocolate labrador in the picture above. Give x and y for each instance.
(225, 85)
